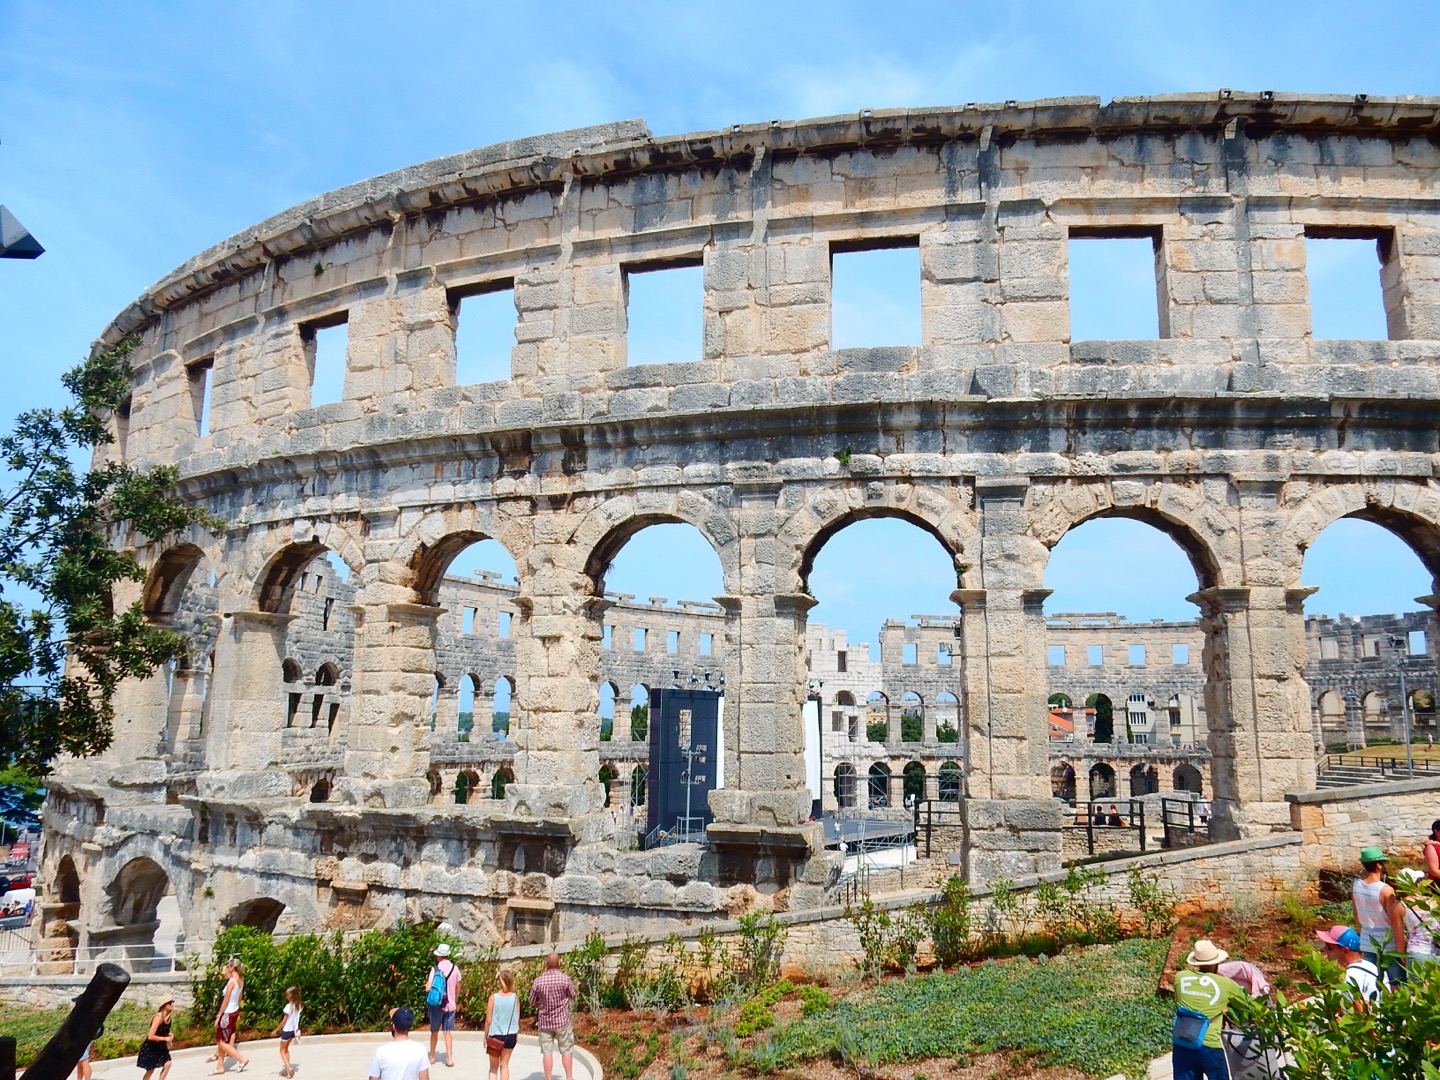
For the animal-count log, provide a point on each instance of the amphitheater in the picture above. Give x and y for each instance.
(308, 762)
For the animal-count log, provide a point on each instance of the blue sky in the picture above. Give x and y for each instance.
(134, 135)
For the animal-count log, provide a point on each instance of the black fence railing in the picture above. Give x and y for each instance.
(1107, 818)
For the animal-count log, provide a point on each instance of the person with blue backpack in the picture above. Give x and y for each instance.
(1202, 996)
(441, 991)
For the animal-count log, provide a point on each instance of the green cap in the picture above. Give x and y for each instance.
(1373, 854)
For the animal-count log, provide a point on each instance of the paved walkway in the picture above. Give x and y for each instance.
(347, 1057)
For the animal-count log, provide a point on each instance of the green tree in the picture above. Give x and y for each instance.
(1104, 716)
(877, 731)
(912, 727)
(639, 722)
(63, 646)
(946, 732)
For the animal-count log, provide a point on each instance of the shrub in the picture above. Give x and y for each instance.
(1152, 901)
(814, 999)
(586, 966)
(755, 1016)
(762, 940)
(950, 922)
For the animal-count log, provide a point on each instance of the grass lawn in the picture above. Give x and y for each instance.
(1094, 1010)
(125, 1028)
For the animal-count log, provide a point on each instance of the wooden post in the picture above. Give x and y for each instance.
(60, 1055)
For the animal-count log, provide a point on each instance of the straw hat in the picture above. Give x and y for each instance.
(1205, 953)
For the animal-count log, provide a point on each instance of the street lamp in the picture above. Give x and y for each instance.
(1402, 648)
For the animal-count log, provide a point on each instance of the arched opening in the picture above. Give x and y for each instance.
(1062, 781)
(466, 701)
(504, 707)
(845, 697)
(845, 781)
(1144, 780)
(262, 913)
(320, 791)
(436, 782)
(466, 781)
(503, 778)
(325, 703)
(608, 693)
(947, 718)
(67, 881)
(1102, 781)
(1365, 629)
(1060, 701)
(639, 712)
(1187, 778)
(436, 696)
(607, 778)
(912, 717)
(912, 779)
(877, 717)
(1100, 717)
(290, 671)
(180, 594)
(950, 781)
(878, 789)
(638, 781)
(144, 914)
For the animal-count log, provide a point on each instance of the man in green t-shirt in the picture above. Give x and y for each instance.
(1200, 988)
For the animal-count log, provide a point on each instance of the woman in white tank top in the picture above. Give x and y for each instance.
(1379, 915)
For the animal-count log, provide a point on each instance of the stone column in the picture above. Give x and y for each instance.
(1258, 706)
(391, 695)
(1354, 723)
(249, 699)
(1012, 821)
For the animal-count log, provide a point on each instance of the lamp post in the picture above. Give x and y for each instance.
(1402, 647)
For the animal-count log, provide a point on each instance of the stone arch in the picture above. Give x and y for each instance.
(466, 781)
(1409, 510)
(878, 785)
(262, 913)
(503, 778)
(1062, 781)
(136, 890)
(912, 779)
(282, 562)
(1102, 781)
(611, 525)
(290, 671)
(1375, 708)
(435, 781)
(67, 881)
(845, 697)
(1143, 780)
(434, 543)
(1187, 778)
(949, 781)
(1202, 531)
(845, 783)
(320, 790)
(166, 582)
(639, 784)
(1331, 706)
(607, 777)
(826, 516)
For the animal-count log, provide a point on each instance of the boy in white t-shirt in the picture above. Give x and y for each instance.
(400, 1059)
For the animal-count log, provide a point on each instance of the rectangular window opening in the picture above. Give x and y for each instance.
(1115, 275)
(506, 618)
(1416, 642)
(664, 312)
(329, 610)
(875, 293)
(842, 659)
(326, 341)
(1055, 655)
(122, 428)
(943, 654)
(484, 317)
(639, 639)
(672, 641)
(467, 621)
(607, 636)
(200, 374)
(910, 653)
(1095, 655)
(1346, 272)
(707, 644)
(1179, 654)
(1137, 655)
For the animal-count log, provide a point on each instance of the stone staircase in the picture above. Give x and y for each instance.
(1338, 776)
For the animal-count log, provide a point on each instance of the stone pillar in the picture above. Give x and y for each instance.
(249, 693)
(1354, 723)
(391, 696)
(1012, 821)
(142, 710)
(1258, 706)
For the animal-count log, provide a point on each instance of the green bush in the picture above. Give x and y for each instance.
(815, 999)
(950, 922)
(755, 1016)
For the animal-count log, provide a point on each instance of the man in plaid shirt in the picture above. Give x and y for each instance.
(551, 993)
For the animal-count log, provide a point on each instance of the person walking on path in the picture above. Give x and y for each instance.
(1379, 915)
(1202, 997)
(1362, 976)
(1431, 851)
(1421, 928)
(502, 1025)
(442, 991)
(228, 1019)
(400, 1059)
(155, 1050)
(289, 1029)
(551, 993)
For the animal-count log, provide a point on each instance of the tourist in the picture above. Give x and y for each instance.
(442, 991)
(155, 1050)
(1431, 851)
(551, 993)
(1362, 976)
(1202, 997)
(289, 1029)
(227, 1021)
(1421, 927)
(502, 1025)
(400, 1059)
(1113, 819)
(1379, 915)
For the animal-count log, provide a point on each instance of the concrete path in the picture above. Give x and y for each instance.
(347, 1057)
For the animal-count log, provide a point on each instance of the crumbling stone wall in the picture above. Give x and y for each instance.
(996, 432)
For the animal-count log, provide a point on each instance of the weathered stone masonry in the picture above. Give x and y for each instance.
(1236, 432)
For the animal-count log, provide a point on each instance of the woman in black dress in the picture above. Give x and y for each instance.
(155, 1050)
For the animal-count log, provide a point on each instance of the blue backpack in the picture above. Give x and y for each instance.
(436, 994)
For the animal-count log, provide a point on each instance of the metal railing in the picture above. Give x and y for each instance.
(689, 830)
(1096, 814)
(1388, 766)
(1182, 823)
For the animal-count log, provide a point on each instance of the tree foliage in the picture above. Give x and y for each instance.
(63, 647)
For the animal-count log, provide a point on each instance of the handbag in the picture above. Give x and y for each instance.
(1190, 1028)
(494, 1044)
